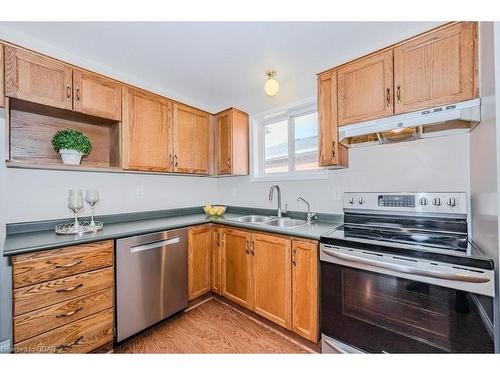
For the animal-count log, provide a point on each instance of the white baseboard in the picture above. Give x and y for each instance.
(5, 347)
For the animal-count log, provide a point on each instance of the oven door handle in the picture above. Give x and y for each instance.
(409, 270)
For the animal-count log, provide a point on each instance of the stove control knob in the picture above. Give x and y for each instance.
(423, 201)
(452, 202)
(436, 202)
(351, 200)
(361, 200)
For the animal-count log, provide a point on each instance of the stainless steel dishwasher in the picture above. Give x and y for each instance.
(151, 280)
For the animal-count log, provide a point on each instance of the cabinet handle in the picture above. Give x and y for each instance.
(71, 288)
(252, 246)
(388, 97)
(68, 265)
(68, 92)
(69, 313)
(229, 163)
(398, 94)
(175, 161)
(67, 346)
(294, 260)
(77, 94)
(334, 154)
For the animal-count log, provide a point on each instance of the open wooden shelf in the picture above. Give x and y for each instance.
(32, 126)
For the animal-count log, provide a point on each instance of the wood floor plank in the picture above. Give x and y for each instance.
(212, 327)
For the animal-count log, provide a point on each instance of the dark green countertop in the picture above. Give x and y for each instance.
(26, 240)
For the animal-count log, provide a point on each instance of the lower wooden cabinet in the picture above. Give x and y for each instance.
(199, 264)
(63, 299)
(305, 287)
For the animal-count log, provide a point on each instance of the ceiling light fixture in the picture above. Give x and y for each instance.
(271, 87)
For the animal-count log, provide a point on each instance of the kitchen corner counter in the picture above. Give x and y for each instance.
(29, 237)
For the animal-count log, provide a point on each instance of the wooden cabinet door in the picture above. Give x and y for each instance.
(37, 79)
(96, 95)
(236, 261)
(271, 264)
(216, 260)
(305, 286)
(191, 140)
(2, 91)
(224, 142)
(200, 248)
(365, 89)
(146, 129)
(436, 68)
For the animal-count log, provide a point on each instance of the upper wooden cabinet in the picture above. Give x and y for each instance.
(96, 95)
(231, 142)
(2, 90)
(191, 137)
(146, 131)
(365, 89)
(271, 281)
(37, 79)
(199, 264)
(436, 68)
(331, 153)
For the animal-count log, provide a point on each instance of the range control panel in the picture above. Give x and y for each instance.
(429, 202)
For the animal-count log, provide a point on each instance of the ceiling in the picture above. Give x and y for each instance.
(216, 64)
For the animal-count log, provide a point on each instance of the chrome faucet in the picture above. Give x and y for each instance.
(279, 211)
(311, 216)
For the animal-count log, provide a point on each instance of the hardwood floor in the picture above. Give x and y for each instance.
(212, 327)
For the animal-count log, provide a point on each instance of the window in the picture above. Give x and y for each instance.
(287, 146)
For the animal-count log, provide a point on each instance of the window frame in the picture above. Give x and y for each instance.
(259, 123)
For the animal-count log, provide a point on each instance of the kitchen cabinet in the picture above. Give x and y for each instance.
(199, 263)
(436, 68)
(96, 95)
(331, 152)
(38, 79)
(365, 88)
(216, 260)
(271, 267)
(63, 299)
(191, 140)
(2, 90)
(236, 266)
(305, 286)
(232, 142)
(146, 131)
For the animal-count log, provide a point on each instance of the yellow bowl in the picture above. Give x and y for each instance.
(214, 210)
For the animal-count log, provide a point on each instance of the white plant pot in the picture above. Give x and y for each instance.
(70, 157)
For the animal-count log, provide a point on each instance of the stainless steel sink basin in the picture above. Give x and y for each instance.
(285, 222)
(255, 219)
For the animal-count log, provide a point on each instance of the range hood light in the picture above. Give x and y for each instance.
(398, 130)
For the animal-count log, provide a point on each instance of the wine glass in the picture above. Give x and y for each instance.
(92, 197)
(75, 204)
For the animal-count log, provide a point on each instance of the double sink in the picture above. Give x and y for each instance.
(273, 221)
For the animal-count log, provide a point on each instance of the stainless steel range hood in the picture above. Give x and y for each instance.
(432, 122)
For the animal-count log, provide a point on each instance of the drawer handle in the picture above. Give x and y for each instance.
(71, 288)
(67, 346)
(69, 313)
(76, 262)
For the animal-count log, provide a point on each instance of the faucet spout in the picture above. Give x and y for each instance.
(279, 211)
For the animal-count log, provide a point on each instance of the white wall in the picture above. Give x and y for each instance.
(439, 164)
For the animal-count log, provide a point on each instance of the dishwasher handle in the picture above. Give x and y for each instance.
(154, 245)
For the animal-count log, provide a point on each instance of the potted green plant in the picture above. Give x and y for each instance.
(71, 144)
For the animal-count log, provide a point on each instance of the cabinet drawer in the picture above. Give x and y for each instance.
(43, 320)
(81, 336)
(28, 269)
(45, 294)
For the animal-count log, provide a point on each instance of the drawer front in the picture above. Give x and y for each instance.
(33, 268)
(81, 336)
(45, 294)
(42, 320)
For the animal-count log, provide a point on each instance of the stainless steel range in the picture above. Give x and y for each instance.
(402, 276)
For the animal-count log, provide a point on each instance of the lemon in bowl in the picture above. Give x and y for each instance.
(216, 211)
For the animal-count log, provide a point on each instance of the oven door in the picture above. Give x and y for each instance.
(375, 309)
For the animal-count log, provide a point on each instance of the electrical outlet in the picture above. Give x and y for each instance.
(140, 193)
(337, 195)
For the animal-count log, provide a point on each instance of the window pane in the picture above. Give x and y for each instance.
(276, 147)
(306, 141)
